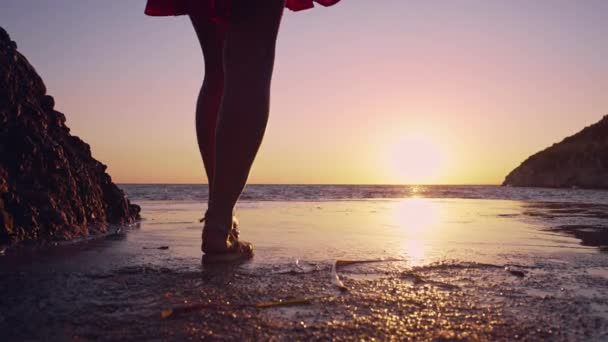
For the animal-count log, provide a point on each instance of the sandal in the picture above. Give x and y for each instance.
(236, 249)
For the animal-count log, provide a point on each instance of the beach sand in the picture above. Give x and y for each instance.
(443, 269)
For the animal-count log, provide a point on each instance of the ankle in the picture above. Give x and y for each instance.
(220, 218)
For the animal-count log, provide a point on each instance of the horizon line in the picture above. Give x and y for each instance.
(378, 184)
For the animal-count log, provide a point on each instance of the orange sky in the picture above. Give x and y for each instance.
(456, 92)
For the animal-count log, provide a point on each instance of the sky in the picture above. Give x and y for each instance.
(364, 92)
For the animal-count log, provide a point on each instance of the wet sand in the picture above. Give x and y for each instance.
(453, 269)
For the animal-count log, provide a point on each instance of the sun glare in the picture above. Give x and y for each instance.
(415, 160)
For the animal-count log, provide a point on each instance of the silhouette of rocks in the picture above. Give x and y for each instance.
(51, 188)
(579, 161)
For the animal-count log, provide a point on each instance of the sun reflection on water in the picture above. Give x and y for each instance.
(418, 219)
(416, 215)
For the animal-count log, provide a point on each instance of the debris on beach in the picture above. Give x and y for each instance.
(411, 276)
(299, 268)
(282, 302)
(166, 313)
(306, 268)
(340, 263)
(335, 279)
(183, 309)
(354, 262)
(160, 247)
(516, 273)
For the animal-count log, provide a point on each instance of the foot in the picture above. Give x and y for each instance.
(221, 244)
(215, 237)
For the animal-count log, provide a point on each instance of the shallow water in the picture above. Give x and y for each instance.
(454, 268)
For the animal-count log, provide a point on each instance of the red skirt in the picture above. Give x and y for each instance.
(179, 7)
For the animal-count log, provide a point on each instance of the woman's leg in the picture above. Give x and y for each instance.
(211, 38)
(249, 49)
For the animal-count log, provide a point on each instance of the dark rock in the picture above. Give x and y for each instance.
(51, 188)
(578, 161)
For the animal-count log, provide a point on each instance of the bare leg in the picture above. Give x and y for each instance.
(211, 38)
(249, 51)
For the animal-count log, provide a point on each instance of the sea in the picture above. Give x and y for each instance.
(307, 192)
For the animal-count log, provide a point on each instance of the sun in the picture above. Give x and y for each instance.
(415, 159)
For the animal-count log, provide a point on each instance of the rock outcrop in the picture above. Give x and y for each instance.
(579, 161)
(51, 188)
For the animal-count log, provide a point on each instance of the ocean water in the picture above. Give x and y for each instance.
(259, 192)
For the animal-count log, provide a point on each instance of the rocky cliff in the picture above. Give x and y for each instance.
(51, 188)
(578, 161)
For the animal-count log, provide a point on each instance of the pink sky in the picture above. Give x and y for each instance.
(452, 92)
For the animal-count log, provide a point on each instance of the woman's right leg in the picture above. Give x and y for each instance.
(249, 51)
(211, 37)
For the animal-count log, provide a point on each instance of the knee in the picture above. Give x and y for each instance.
(213, 81)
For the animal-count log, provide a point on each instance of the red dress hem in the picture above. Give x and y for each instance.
(163, 8)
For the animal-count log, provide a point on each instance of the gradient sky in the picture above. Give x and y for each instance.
(388, 91)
